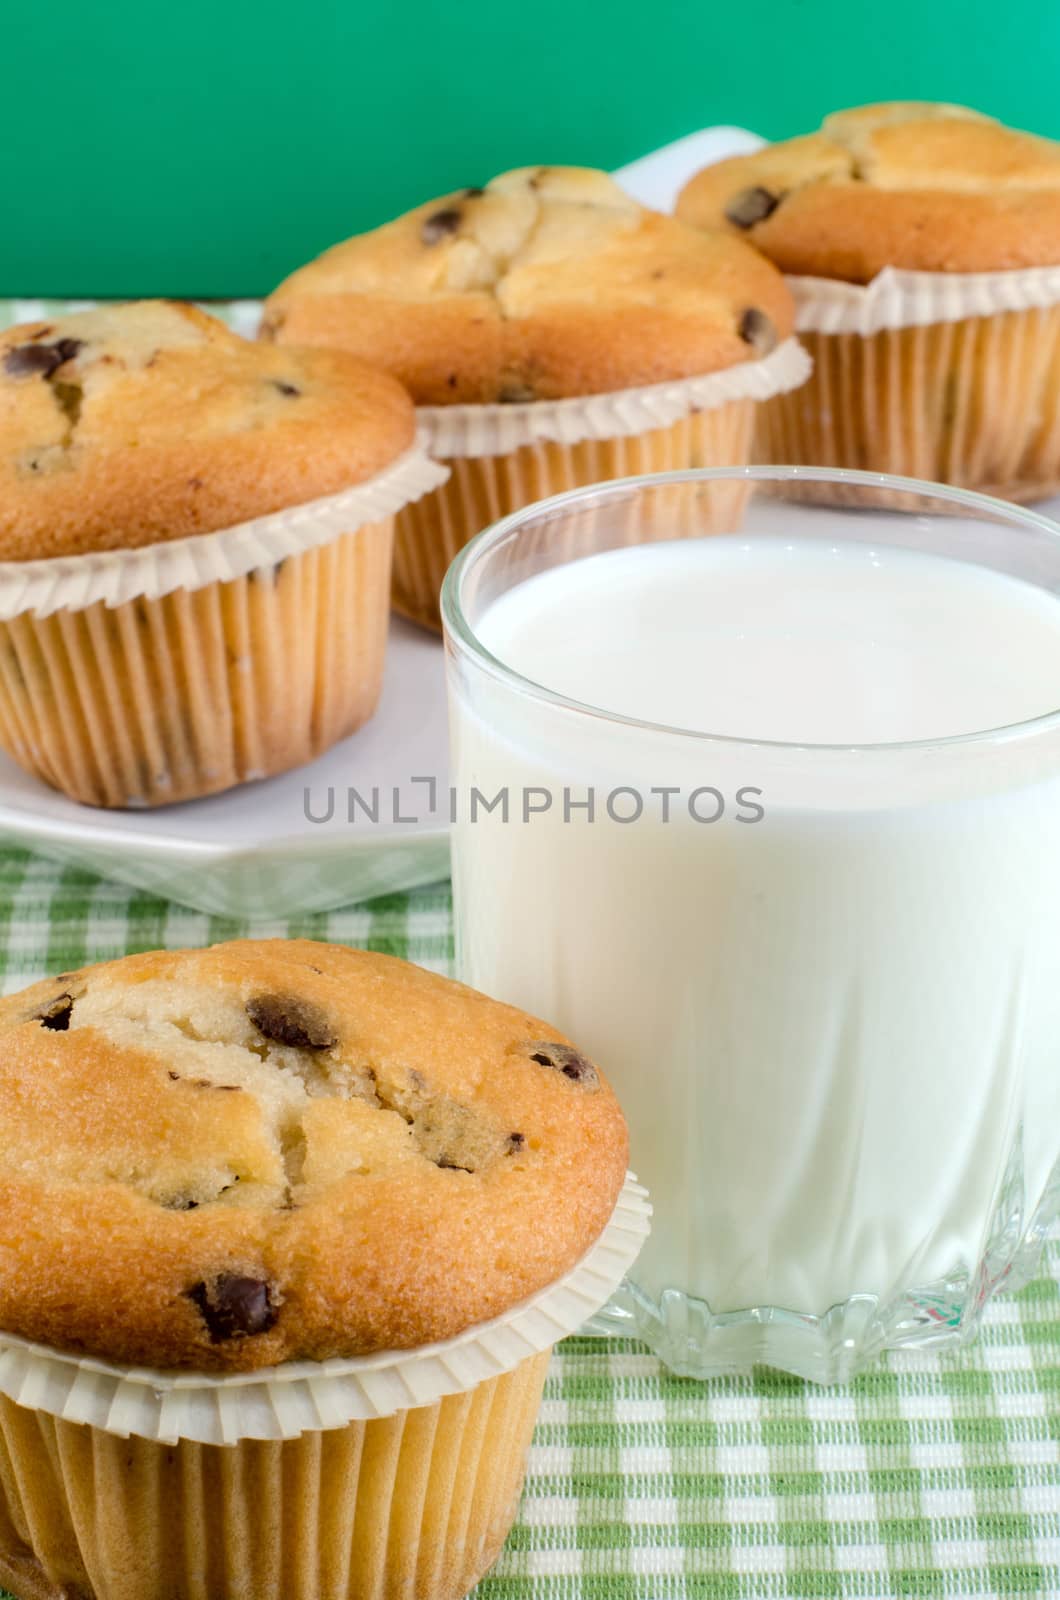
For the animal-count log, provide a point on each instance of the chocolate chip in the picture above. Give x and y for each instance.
(179, 1202)
(284, 387)
(287, 1019)
(516, 393)
(516, 1142)
(757, 330)
(68, 397)
(751, 206)
(27, 359)
(564, 1058)
(474, 193)
(56, 1014)
(440, 225)
(452, 1136)
(204, 1083)
(40, 360)
(232, 1305)
(451, 380)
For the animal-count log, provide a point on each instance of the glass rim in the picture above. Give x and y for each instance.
(461, 635)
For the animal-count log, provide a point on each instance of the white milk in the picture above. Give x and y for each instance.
(830, 1028)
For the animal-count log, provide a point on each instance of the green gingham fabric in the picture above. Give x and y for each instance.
(933, 1475)
(930, 1476)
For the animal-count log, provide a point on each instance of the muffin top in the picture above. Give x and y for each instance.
(932, 188)
(549, 282)
(228, 1158)
(133, 424)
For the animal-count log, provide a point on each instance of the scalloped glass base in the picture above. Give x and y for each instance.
(696, 1342)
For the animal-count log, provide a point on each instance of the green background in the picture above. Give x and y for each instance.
(208, 148)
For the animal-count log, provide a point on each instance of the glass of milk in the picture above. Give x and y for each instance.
(757, 796)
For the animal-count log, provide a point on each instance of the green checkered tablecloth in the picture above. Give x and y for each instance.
(929, 1476)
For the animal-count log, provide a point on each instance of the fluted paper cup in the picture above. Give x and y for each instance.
(502, 457)
(949, 377)
(142, 677)
(394, 1476)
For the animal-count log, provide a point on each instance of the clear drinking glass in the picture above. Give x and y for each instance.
(834, 1028)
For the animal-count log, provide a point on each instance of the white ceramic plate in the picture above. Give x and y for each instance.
(288, 844)
(657, 179)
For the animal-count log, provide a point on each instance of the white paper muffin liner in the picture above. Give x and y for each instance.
(493, 430)
(899, 299)
(308, 1396)
(115, 576)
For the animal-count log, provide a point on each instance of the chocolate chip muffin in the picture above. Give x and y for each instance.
(134, 424)
(231, 1164)
(194, 550)
(548, 282)
(229, 1158)
(947, 365)
(934, 188)
(547, 285)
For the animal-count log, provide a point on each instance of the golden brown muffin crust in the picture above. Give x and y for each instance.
(133, 424)
(549, 282)
(931, 188)
(228, 1158)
